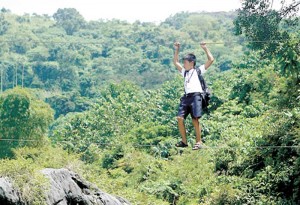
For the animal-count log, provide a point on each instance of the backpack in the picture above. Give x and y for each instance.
(206, 92)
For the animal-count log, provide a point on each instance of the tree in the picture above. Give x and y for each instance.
(272, 32)
(23, 117)
(4, 24)
(260, 22)
(178, 20)
(70, 19)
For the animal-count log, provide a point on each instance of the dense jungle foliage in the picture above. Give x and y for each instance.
(101, 97)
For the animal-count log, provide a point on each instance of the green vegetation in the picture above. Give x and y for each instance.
(25, 169)
(24, 119)
(71, 59)
(115, 96)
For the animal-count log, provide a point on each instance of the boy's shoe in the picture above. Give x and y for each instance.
(181, 144)
(198, 145)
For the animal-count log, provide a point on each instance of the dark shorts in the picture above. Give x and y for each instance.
(190, 104)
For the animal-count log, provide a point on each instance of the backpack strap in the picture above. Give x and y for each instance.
(201, 79)
(185, 72)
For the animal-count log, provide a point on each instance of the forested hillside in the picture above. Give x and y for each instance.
(115, 94)
(71, 59)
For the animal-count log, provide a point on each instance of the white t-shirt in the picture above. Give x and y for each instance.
(191, 81)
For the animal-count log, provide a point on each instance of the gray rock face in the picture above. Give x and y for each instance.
(8, 195)
(66, 188)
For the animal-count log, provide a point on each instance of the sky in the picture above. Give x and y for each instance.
(128, 10)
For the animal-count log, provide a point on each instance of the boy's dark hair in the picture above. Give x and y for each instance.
(190, 57)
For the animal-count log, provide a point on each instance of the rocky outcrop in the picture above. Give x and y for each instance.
(8, 195)
(66, 188)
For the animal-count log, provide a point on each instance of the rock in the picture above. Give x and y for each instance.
(66, 188)
(8, 195)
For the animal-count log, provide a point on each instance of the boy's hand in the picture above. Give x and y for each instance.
(177, 45)
(203, 45)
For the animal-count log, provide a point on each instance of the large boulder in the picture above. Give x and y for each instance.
(8, 195)
(66, 188)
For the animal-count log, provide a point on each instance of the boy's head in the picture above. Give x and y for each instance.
(189, 61)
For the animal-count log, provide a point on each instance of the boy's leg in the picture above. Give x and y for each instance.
(197, 113)
(181, 128)
(197, 129)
